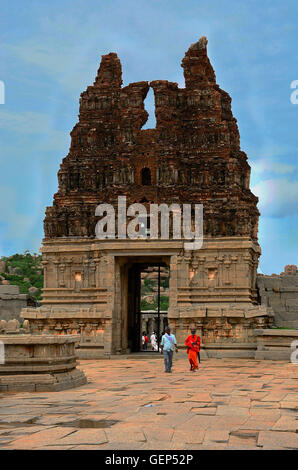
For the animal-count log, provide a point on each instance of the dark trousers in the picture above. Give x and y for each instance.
(168, 360)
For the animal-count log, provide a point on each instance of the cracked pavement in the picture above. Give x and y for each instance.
(133, 404)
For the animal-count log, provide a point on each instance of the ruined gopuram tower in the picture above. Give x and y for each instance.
(192, 156)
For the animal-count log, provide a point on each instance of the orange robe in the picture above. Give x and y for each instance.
(192, 343)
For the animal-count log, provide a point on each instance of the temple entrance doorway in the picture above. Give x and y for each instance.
(144, 288)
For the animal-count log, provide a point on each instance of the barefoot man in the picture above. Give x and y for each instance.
(192, 344)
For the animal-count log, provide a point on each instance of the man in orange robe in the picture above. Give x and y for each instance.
(192, 344)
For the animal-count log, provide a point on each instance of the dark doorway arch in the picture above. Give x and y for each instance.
(146, 176)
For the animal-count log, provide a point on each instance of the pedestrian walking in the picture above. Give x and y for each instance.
(168, 344)
(153, 340)
(192, 344)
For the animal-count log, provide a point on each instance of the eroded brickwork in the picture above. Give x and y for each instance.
(192, 156)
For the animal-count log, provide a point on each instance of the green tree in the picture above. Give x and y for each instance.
(24, 270)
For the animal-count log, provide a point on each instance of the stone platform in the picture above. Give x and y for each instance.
(39, 363)
(133, 404)
(276, 344)
(281, 294)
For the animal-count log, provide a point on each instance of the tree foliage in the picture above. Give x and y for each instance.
(24, 270)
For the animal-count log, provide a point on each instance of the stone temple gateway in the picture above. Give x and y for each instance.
(92, 286)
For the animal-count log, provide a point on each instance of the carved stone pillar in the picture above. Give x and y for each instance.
(69, 273)
(86, 272)
(201, 276)
(220, 260)
(195, 279)
(92, 278)
(227, 275)
(234, 260)
(45, 274)
(56, 263)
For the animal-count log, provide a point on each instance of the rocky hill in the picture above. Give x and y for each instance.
(24, 270)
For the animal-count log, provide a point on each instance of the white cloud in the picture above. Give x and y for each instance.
(26, 122)
(58, 61)
(277, 197)
(46, 55)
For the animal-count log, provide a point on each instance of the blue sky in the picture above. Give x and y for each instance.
(50, 53)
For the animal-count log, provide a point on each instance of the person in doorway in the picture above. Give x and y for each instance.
(153, 340)
(168, 344)
(192, 344)
(144, 343)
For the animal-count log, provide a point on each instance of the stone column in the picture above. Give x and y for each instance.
(175, 263)
(248, 264)
(56, 263)
(97, 258)
(69, 273)
(45, 274)
(201, 260)
(195, 279)
(62, 272)
(227, 265)
(85, 272)
(234, 260)
(93, 269)
(220, 276)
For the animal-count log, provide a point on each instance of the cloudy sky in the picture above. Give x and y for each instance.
(50, 52)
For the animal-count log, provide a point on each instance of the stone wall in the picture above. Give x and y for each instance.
(12, 302)
(275, 344)
(281, 294)
(85, 292)
(225, 331)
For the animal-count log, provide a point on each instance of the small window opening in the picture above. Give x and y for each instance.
(146, 177)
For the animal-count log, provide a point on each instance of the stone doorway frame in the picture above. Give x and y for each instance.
(127, 296)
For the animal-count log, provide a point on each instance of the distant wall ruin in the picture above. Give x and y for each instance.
(281, 294)
(12, 302)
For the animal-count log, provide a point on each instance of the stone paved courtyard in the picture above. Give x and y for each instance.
(133, 404)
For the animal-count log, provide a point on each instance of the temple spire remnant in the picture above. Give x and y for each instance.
(192, 156)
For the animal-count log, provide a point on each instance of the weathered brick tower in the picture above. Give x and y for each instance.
(192, 156)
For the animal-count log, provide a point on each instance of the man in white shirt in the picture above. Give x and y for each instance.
(153, 340)
(168, 343)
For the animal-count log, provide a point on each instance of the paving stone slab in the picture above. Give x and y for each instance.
(277, 439)
(190, 437)
(41, 438)
(216, 435)
(286, 423)
(226, 410)
(228, 397)
(85, 436)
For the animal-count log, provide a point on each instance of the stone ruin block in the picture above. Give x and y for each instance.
(39, 363)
